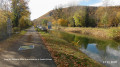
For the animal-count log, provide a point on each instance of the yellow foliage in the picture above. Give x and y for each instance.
(23, 22)
(62, 22)
(2, 17)
(118, 14)
(54, 22)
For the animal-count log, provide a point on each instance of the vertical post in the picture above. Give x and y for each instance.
(9, 27)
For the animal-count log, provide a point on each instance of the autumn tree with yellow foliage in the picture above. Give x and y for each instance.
(21, 14)
(62, 22)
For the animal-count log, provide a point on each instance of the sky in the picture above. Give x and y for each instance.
(40, 7)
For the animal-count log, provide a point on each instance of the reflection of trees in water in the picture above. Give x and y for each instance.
(76, 40)
(68, 37)
(63, 35)
(102, 45)
(114, 45)
(84, 41)
(100, 52)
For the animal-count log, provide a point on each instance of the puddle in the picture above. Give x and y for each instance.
(26, 47)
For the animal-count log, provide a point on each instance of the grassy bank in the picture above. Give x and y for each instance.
(66, 54)
(108, 33)
(5, 44)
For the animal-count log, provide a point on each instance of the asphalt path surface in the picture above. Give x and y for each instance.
(37, 57)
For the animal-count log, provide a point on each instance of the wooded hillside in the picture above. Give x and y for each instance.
(83, 16)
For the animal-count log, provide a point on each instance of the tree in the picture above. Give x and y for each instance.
(44, 22)
(71, 22)
(105, 16)
(24, 22)
(118, 17)
(20, 12)
(57, 13)
(69, 13)
(102, 17)
(5, 17)
(116, 20)
(87, 17)
(105, 19)
(79, 18)
(3, 23)
(16, 12)
(62, 22)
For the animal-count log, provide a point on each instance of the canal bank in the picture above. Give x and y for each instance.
(106, 52)
(101, 33)
(67, 54)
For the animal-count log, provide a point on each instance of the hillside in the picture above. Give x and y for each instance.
(84, 16)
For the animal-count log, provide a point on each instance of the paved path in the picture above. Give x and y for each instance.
(39, 52)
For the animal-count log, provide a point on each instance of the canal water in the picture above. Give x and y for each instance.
(106, 52)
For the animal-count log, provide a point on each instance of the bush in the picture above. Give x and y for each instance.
(115, 33)
(16, 29)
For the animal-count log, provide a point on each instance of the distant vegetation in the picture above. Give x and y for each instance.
(84, 16)
(107, 18)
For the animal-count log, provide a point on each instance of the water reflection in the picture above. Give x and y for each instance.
(98, 50)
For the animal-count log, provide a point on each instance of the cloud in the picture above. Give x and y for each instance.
(110, 3)
(40, 7)
(97, 4)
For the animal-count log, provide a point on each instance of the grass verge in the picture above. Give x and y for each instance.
(66, 54)
(5, 44)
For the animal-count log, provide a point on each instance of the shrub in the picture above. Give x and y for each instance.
(16, 29)
(115, 33)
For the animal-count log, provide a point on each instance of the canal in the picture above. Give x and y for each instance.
(106, 52)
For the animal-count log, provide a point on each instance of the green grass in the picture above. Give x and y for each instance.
(66, 54)
(22, 32)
